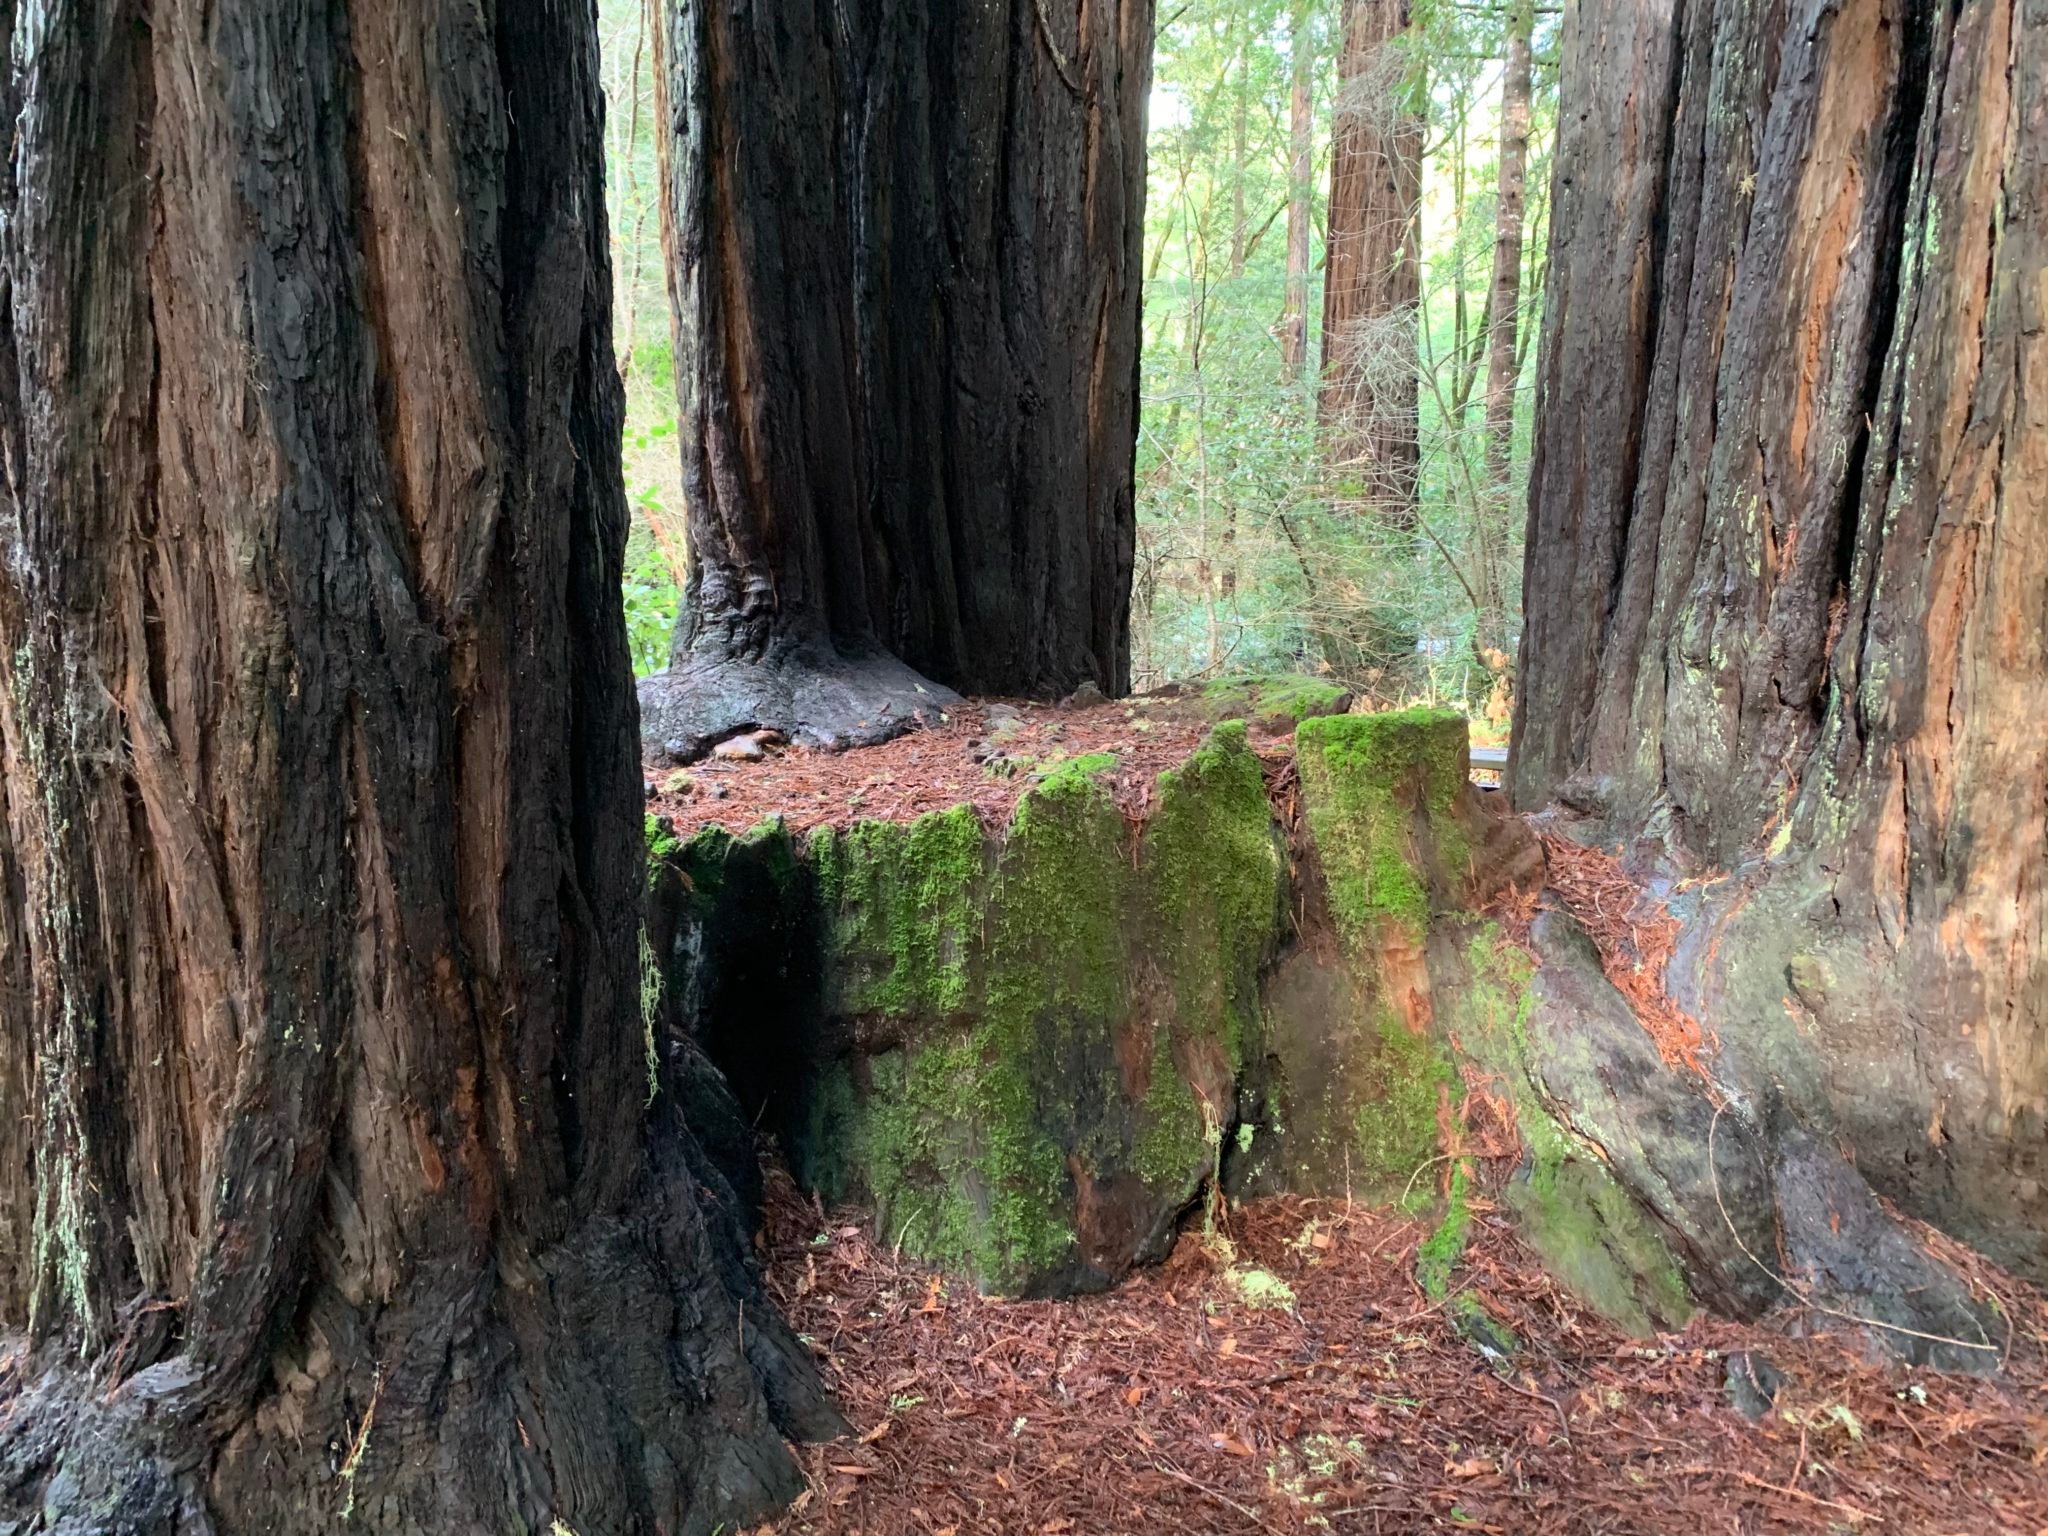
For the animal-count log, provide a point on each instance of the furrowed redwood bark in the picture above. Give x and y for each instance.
(333, 1187)
(904, 256)
(1371, 266)
(1788, 554)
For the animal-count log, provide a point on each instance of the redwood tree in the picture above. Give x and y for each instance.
(904, 255)
(342, 1178)
(1371, 264)
(1787, 577)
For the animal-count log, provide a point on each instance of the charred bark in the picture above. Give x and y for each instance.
(1788, 554)
(905, 252)
(1371, 271)
(333, 1187)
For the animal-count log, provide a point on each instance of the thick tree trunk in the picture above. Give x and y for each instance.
(1788, 554)
(333, 1188)
(905, 253)
(1371, 272)
(1301, 125)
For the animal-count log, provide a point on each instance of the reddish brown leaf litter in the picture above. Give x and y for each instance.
(964, 759)
(1635, 936)
(1173, 1404)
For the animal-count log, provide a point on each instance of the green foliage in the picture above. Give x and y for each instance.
(1254, 552)
(651, 600)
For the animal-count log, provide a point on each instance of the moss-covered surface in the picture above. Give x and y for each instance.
(903, 904)
(1026, 1050)
(1363, 1074)
(1366, 781)
(1276, 702)
(1174, 1129)
(1211, 866)
(1045, 1026)
(1395, 1130)
(1568, 1207)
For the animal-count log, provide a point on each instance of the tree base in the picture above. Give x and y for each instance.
(631, 1375)
(809, 691)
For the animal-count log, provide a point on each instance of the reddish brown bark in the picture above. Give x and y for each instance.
(1371, 273)
(332, 1187)
(1504, 294)
(1788, 552)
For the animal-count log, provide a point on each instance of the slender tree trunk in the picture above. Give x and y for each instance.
(1240, 149)
(1788, 554)
(332, 1188)
(1372, 273)
(1504, 296)
(904, 252)
(1501, 329)
(1301, 125)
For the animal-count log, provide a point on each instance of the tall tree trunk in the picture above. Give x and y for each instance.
(905, 252)
(1501, 325)
(331, 1191)
(1301, 126)
(1372, 273)
(1504, 296)
(1787, 566)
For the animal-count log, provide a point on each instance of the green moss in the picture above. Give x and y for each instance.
(1057, 912)
(661, 841)
(1086, 766)
(1365, 778)
(1394, 1132)
(1211, 868)
(1172, 1146)
(1438, 1254)
(903, 907)
(1590, 1233)
(1279, 700)
(1019, 973)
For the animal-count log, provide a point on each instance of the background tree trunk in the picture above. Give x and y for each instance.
(1492, 634)
(1371, 269)
(332, 1189)
(1788, 554)
(1301, 125)
(1504, 295)
(905, 253)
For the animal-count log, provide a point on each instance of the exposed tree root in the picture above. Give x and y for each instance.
(808, 691)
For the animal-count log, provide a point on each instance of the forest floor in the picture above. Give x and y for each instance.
(1204, 1396)
(985, 753)
(1293, 1376)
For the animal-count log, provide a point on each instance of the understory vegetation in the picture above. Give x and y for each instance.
(1265, 542)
